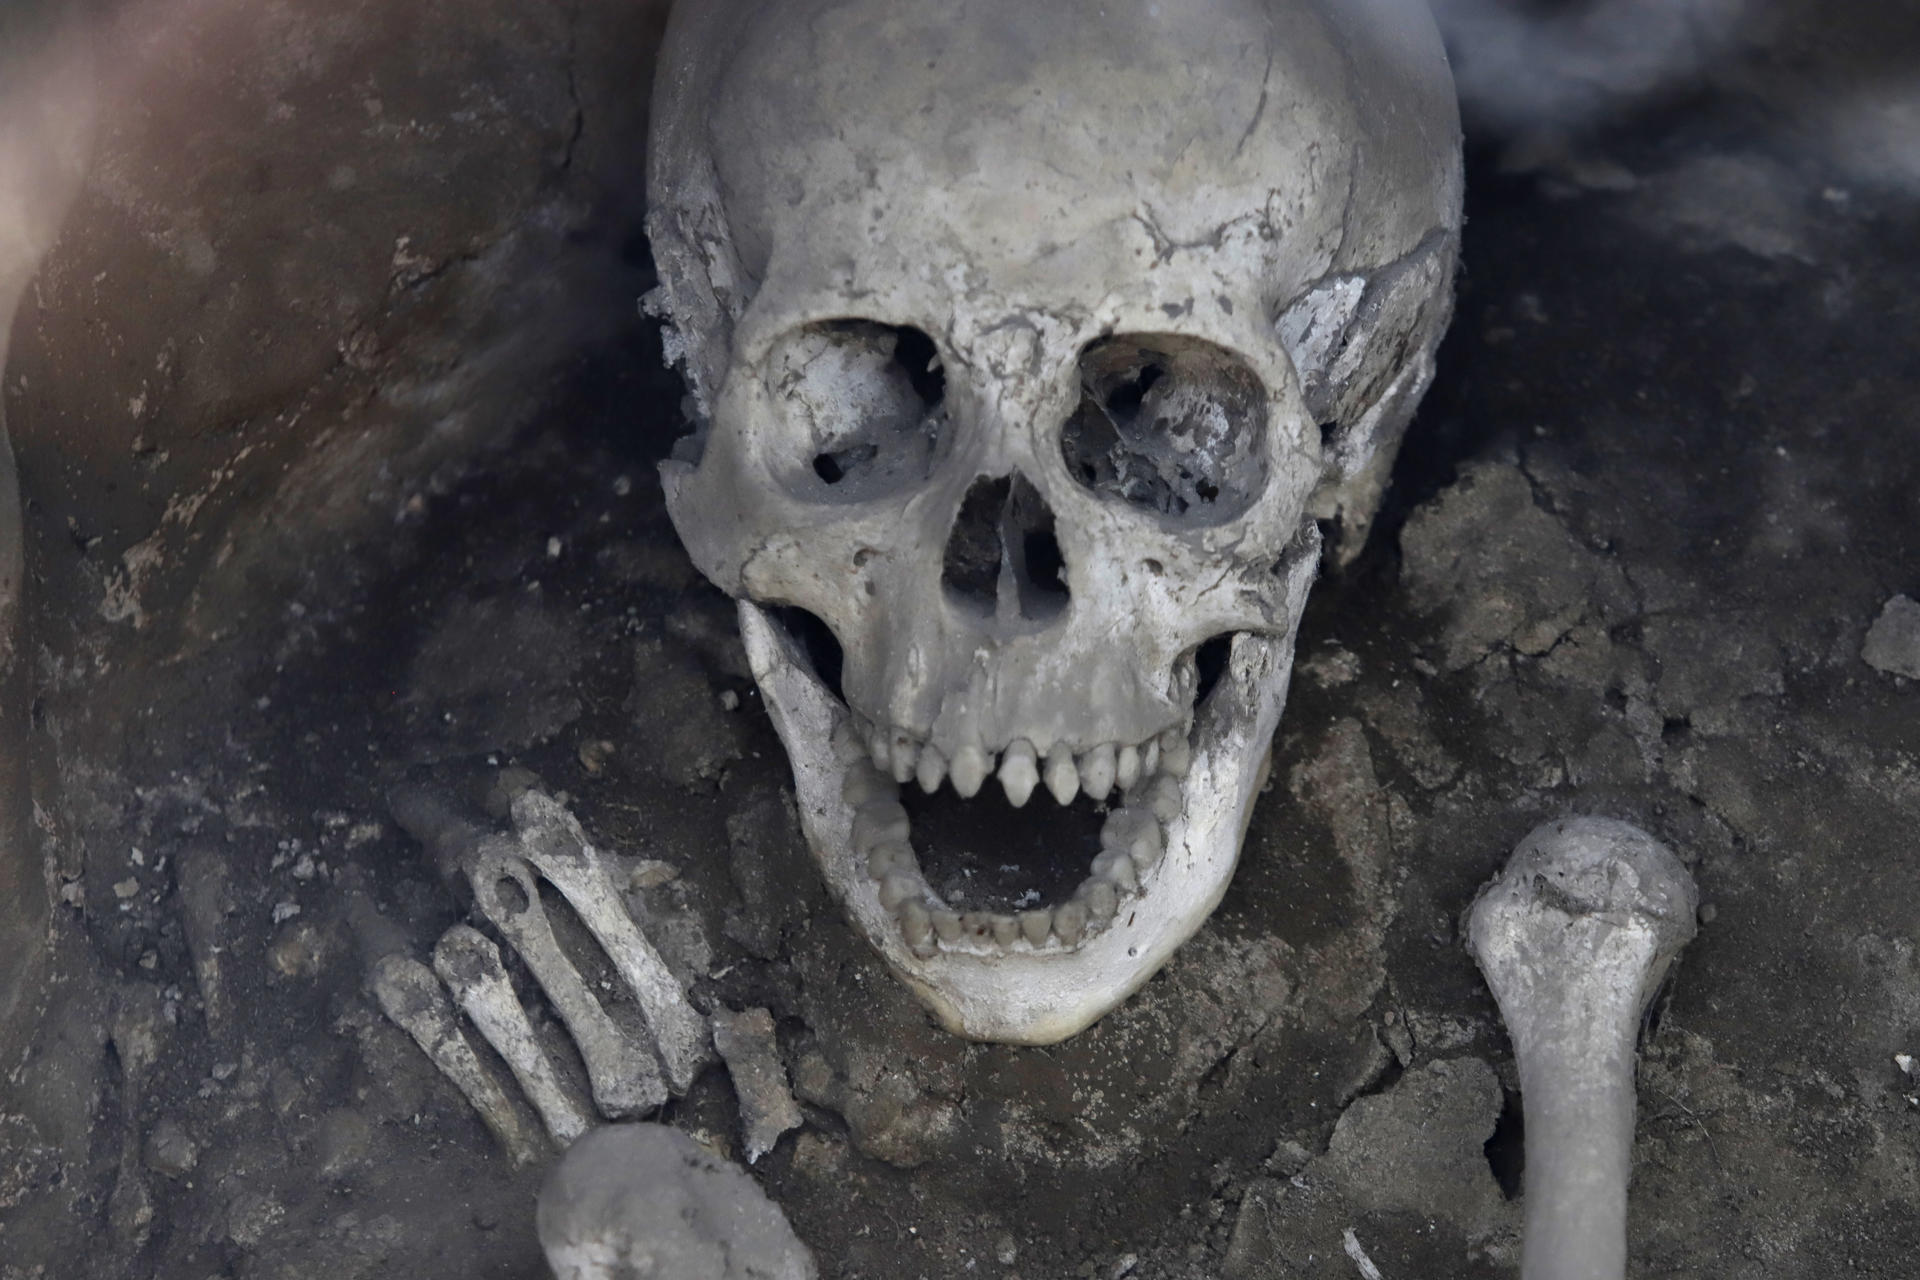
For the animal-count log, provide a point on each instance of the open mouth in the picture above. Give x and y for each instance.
(1032, 947)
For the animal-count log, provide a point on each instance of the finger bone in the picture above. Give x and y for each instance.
(1575, 937)
(409, 995)
(624, 1078)
(469, 964)
(552, 840)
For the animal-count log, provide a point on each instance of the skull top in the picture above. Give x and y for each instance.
(1029, 340)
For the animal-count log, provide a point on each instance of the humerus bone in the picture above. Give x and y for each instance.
(1575, 937)
(470, 966)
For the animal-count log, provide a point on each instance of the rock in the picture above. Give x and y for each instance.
(1893, 642)
(647, 1200)
(767, 1108)
(171, 1150)
(1420, 1147)
(341, 1143)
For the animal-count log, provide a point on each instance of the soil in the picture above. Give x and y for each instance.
(1667, 479)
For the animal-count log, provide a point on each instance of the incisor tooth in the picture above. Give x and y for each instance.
(1005, 929)
(1096, 771)
(1126, 768)
(1063, 777)
(976, 924)
(970, 768)
(1035, 925)
(932, 769)
(1019, 772)
(1116, 865)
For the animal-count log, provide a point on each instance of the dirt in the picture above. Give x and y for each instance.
(1666, 481)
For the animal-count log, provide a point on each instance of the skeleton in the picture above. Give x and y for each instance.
(627, 1078)
(1028, 344)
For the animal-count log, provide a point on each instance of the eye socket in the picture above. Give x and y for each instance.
(864, 403)
(1169, 424)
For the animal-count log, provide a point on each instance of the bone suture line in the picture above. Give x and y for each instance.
(623, 1075)
(409, 994)
(470, 966)
(552, 840)
(1575, 937)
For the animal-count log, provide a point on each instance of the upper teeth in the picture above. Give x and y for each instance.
(1132, 839)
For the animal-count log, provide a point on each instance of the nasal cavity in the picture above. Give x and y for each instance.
(1002, 557)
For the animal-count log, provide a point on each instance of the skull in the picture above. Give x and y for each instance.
(1030, 346)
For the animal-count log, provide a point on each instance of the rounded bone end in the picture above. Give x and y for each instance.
(645, 1199)
(1587, 867)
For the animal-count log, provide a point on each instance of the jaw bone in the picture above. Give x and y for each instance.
(1019, 992)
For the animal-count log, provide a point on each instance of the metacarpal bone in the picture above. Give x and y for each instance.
(1575, 937)
(552, 840)
(624, 1077)
(409, 994)
(470, 966)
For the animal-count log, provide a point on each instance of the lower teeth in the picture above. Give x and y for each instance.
(1132, 839)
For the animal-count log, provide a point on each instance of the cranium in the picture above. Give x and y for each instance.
(1030, 343)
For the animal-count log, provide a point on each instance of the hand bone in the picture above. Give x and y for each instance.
(1575, 937)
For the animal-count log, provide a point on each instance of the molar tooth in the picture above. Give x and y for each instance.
(1116, 866)
(1035, 925)
(1005, 929)
(1136, 833)
(1126, 768)
(880, 748)
(1150, 758)
(1063, 778)
(901, 887)
(1102, 899)
(946, 924)
(970, 768)
(916, 927)
(888, 856)
(1163, 797)
(1019, 771)
(877, 821)
(1070, 923)
(1176, 753)
(906, 755)
(932, 769)
(849, 741)
(1148, 846)
(863, 784)
(1096, 771)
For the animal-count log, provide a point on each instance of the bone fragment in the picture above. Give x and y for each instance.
(623, 1075)
(551, 839)
(634, 1200)
(767, 1109)
(409, 995)
(205, 899)
(1575, 937)
(470, 966)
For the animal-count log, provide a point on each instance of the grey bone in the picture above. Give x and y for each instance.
(623, 1075)
(1575, 936)
(470, 966)
(552, 840)
(409, 994)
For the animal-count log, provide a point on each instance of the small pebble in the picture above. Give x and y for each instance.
(125, 889)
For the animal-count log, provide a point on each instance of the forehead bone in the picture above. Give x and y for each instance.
(1031, 132)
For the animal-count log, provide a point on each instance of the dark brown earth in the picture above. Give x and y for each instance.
(1668, 477)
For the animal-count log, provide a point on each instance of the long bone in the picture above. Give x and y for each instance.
(409, 994)
(470, 966)
(623, 1075)
(1575, 936)
(552, 840)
